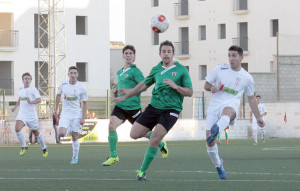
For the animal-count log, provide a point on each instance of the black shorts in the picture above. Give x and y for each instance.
(130, 115)
(152, 116)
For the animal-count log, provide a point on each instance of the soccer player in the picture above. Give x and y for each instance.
(226, 136)
(227, 82)
(28, 97)
(72, 117)
(263, 112)
(130, 109)
(172, 83)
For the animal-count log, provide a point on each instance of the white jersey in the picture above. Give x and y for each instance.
(73, 95)
(28, 111)
(232, 85)
(262, 110)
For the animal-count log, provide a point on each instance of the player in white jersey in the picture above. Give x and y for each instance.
(72, 117)
(28, 97)
(263, 112)
(227, 82)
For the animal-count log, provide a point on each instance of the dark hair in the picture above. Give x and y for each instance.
(26, 74)
(130, 47)
(236, 48)
(73, 67)
(166, 43)
(258, 96)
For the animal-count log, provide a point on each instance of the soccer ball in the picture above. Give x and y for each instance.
(159, 23)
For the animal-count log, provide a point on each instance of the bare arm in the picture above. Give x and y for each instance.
(136, 90)
(210, 87)
(251, 116)
(182, 90)
(254, 108)
(58, 98)
(16, 106)
(84, 112)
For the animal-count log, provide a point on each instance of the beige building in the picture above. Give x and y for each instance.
(202, 31)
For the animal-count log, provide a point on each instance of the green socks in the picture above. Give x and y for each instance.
(219, 137)
(113, 139)
(161, 144)
(149, 156)
(226, 134)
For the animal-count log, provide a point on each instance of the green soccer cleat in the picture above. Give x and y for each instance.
(45, 153)
(164, 151)
(23, 150)
(110, 161)
(140, 175)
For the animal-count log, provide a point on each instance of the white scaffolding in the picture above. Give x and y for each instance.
(51, 64)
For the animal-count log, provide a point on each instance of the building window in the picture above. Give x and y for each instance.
(245, 66)
(43, 31)
(41, 77)
(6, 81)
(202, 72)
(82, 70)
(202, 32)
(154, 3)
(222, 31)
(274, 27)
(81, 25)
(155, 38)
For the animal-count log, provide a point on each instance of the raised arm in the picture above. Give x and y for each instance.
(16, 106)
(136, 90)
(210, 87)
(182, 90)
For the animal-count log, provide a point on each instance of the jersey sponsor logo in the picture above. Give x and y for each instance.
(230, 91)
(174, 74)
(126, 76)
(71, 98)
(174, 114)
(24, 98)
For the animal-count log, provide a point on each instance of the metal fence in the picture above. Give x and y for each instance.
(182, 48)
(9, 38)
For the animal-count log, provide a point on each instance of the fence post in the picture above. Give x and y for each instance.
(3, 103)
(107, 104)
(203, 105)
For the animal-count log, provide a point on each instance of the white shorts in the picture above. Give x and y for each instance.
(32, 124)
(72, 125)
(213, 117)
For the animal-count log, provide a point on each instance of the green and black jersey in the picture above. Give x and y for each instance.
(163, 96)
(128, 79)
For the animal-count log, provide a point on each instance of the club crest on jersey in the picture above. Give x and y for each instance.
(174, 74)
(237, 81)
(126, 76)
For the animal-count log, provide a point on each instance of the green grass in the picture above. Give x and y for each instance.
(274, 165)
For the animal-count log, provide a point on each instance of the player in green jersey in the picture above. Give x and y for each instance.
(172, 83)
(128, 77)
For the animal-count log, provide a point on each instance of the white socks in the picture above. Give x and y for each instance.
(76, 146)
(21, 138)
(41, 140)
(214, 155)
(255, 134)
(223, 123)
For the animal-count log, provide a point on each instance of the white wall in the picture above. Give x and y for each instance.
(92, 48)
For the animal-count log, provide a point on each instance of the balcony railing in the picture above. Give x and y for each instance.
(9, 39)
(241, 42)
(182, 49)
(181, 9)
(8, 85)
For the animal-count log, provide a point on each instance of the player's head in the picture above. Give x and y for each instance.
(26, 78)
(258, 98)
(73, 73)
(166, 51)
(235, 56)
(129, 54)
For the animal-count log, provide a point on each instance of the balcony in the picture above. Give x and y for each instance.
(182, 50)
(181, 10)
(7, 85)
(241, 42)
(240, 7)
(9, 40)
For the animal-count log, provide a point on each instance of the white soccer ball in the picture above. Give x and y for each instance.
(159, 23)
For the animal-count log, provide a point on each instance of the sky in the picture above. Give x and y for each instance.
(117, 20)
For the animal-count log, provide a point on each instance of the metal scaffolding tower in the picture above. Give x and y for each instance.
(51, 63)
